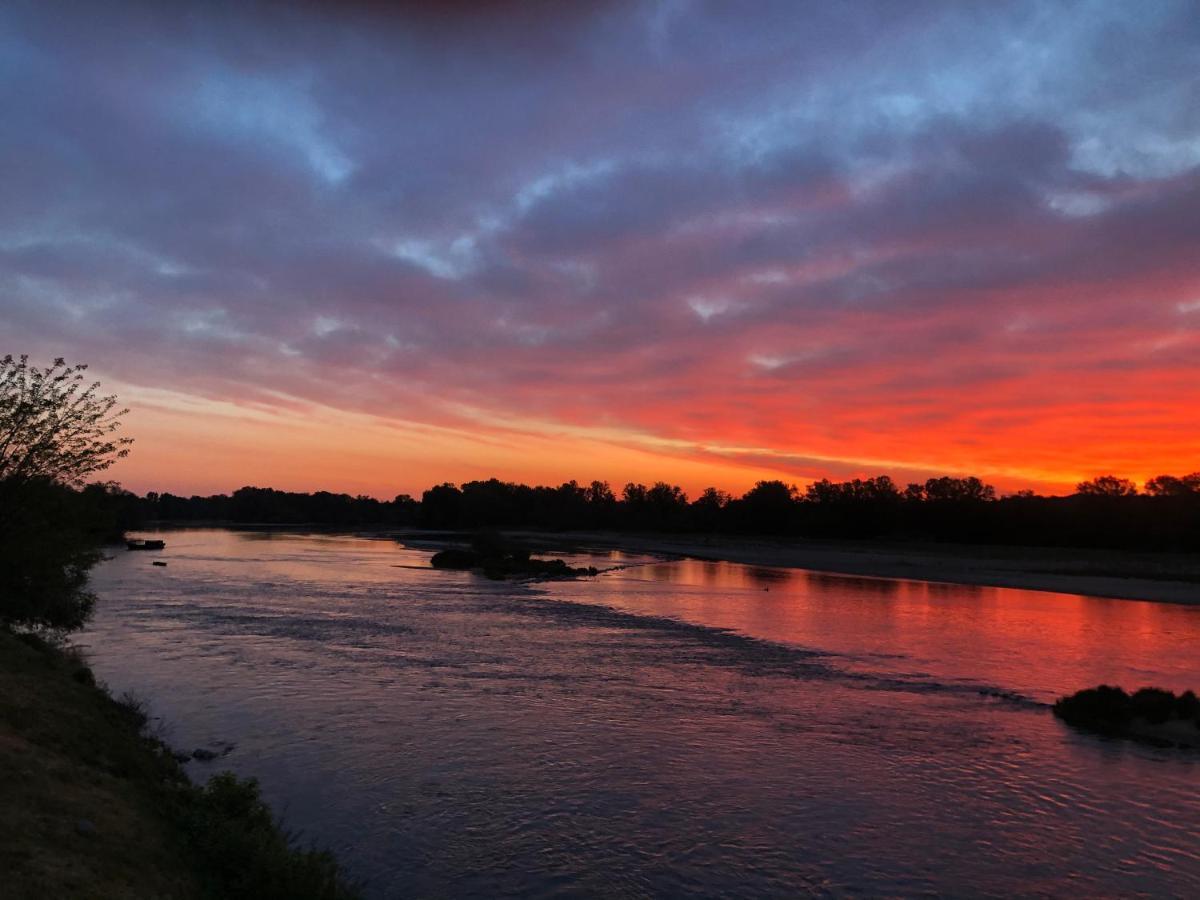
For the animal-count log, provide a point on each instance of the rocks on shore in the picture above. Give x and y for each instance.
(1150, 714)
(208, 754)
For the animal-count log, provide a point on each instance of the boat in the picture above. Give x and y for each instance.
(146, 545)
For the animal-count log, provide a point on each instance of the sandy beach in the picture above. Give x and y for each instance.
(1162, 577)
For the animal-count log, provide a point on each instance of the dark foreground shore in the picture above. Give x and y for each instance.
(90, 807)
(1163, 577)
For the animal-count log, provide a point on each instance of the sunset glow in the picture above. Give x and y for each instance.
(371, 253)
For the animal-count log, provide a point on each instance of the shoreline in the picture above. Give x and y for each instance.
(1158, 577)
(1117, 575)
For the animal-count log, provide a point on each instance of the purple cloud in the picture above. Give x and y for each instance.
(672, 216)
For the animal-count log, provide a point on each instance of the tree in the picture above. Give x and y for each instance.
(55, 426)
(56, 431)
(48, 544)
(667, 506)
(601, 504)
(1170, 486)
(634, 494)
(1107, 486)
(599, 493)
(958, 490)
(707, 509)
(769, 506)
(661, 507)
(441, 506)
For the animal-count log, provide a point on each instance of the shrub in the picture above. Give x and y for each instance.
(1103, 708)
(246, 854)
(1112, 711)
(1153, 704)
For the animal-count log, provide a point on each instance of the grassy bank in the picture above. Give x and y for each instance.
(91, 807)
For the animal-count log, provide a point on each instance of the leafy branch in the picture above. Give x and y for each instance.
(55, 425)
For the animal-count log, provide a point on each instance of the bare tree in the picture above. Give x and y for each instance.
(54, 425)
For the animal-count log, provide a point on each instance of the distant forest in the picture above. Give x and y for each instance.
(1104, 512)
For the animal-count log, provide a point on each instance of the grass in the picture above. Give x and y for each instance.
(92, 807)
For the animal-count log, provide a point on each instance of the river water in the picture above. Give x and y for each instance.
(666, 728)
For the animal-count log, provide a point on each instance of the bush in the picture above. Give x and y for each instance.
(246, 854)
(48, 542)
(1107, 709)
(1153, 704)
(1112, 711)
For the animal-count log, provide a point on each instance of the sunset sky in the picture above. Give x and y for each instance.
(335, 247)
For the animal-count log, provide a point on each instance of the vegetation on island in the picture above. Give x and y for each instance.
(1150, 714)
(499, 558)
(92, 806)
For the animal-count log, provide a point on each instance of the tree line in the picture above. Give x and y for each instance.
(1106, 511)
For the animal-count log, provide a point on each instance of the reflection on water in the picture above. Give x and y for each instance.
(666, 728)
(1037, 643)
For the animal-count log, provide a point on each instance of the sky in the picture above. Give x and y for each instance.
(374, 247)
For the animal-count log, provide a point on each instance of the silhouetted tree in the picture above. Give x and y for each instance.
(862, 507)
(56, 431)
(666, 507)
(1170, 486)
(958, 490)
(571, 508)
(707, 509)
(660, 507)
(441, 506)
(54, 426)
(405, 511)
(1107, 486)
(488, 504)
(602, 505)
(954, 509)
(598, 492)
(769, 506)
(113, 509)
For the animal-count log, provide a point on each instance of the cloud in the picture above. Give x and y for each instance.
(920, 233)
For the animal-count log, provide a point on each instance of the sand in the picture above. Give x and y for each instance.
(1162, 577)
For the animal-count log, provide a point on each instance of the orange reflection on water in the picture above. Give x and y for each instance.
(1046, 642)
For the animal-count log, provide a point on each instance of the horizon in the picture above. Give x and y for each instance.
(377, 250)
(616, 487)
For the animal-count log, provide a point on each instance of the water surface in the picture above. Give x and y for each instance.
(667, 727)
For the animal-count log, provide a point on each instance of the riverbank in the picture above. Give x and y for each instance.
(1118, 574)
(92, 807)
(1161, 577)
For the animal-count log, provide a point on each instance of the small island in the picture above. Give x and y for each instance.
(1151, 715)
(500, 559)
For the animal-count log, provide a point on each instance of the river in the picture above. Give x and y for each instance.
(665, 728)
